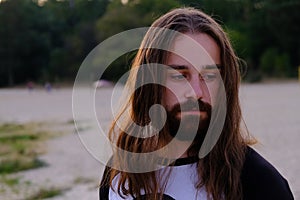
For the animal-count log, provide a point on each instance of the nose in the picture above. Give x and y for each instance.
(196, 88)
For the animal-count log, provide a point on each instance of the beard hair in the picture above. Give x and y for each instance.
(190, 127)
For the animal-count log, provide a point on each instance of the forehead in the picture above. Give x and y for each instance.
(197, 49)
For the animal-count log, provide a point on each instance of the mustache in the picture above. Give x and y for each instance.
(192, 105)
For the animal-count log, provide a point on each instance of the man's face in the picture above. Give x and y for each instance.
(191, 84)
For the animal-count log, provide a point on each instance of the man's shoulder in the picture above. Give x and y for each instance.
(256, 164)
(104, 184)
(261, 180)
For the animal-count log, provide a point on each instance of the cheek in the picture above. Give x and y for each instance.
(206, 93)
(169, 99)
(212, 94)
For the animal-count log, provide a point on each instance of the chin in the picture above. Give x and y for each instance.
(191, 128)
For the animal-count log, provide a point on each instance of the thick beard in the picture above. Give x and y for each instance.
(191, 127)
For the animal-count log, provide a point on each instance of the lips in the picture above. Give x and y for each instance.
(201, 114)
(191, 115)
(190, 110)
(191, 106)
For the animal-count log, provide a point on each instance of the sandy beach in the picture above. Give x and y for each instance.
(75, 160)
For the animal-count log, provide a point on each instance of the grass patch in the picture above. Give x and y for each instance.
(11, 182)
(80, 180)
(45, 193)
(14, 138)
(20, 147)
(71, 121)
(20, 164)
(10, 127)
(20, 144)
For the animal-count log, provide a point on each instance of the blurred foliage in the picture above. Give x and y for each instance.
(120, 17)
(46, 42)
(49, 41)
(273, 63)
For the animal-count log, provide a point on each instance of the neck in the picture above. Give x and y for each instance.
(184, 146)
(179, 149)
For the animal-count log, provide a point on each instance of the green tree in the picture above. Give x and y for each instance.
(47, 42)
(121, 17)
(24, 41)
(282, 20)
(75, 37)
(274, 63)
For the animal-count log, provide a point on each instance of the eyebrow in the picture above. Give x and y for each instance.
(215, 66)
(183, 67)
(178, 67)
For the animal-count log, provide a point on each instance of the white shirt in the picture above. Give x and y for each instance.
(180, 186)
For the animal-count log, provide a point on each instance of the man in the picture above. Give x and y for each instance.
(186, 65)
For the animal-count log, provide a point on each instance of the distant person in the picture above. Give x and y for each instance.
(103, 84)
(48, 87)
(189, 89)
(30, 86)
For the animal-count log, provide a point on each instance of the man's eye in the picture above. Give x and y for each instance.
(178, 77)
(208, 77)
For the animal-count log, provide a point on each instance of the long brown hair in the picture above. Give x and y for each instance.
(220, 170)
